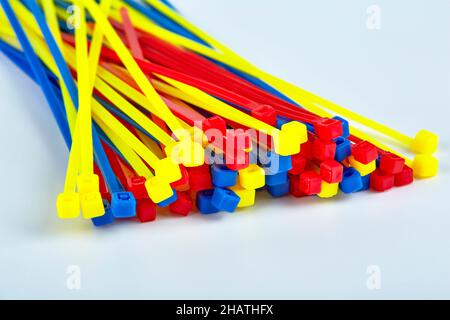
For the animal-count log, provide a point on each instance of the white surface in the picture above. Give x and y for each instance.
(285, 248)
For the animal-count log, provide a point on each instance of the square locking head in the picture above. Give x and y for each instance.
(391, 163)
(364, 152)
(92, 205)
(306, 149)
(296, 130)
(247, 197)
(168, 201)
(425, 142)
(225, 200)
(167, 169)
(298, 164)
(204, 203)
(404, 178)
(223, 176)
(87, 183)
(252, 177)
(328, 190)
(294, 186)
(324, 149)
(145, 210)
(273, 163)
(158, 190)
(183, 183)
(381, 181)
(183, 205)
(310, 183)
(200, 178)
(351, 181)
(137, 186)
(331, 171)
(216, 123)
(365, 182)
(343, 149)
(425, 166)
(289, 138)
(277, 179)
(68, 205)
(363, 169)
(192, 153)
(265, 113)
(105, 219)
(278, 190)
(328, 129)
(345, 126)
(123, 205)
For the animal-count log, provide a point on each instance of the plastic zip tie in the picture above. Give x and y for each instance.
(84, 123)
(213, 54)
(281, 137)
(130, 32)
(34, 79)
(68, 203)
(126, 176)
(126, 107)
(165, 169)
(123, 204)
(219, 58)
(253, 80)
(294, 113)
(137, 97)
(161, 20)
(136, 51)
(69, 197)
(97, 42)
(92, 201)
(50, 15)
(167, 35)
(87, 181)
(100, 149)
(120, 115)
(133, 113)
(158, 189)
(173, 15)
(114, 161)
(101, 114)
(424, 142)
(143, 101)
(51, 43)
(201, 67)
(151, 144)
(127, 152)
(131, 64)
(184, 112)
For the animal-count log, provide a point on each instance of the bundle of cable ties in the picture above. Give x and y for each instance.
(156, 113)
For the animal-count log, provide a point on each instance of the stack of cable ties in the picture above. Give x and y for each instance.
(159, 116)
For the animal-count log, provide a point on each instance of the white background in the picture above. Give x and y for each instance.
(282, 248)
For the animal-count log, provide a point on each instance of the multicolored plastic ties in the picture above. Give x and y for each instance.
(156, 113)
